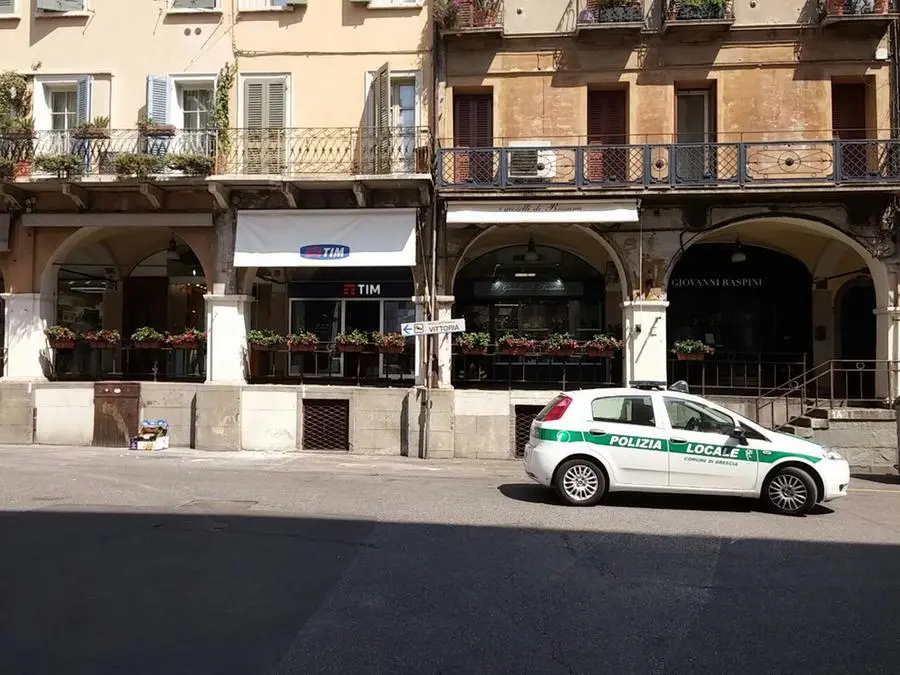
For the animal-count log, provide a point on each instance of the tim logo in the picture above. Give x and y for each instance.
(325, 251)
(364, 290)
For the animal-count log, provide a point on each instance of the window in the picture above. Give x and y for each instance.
(391, 143)
(752, 433)
(249, 5)
(61, 5)
(265, 114)
(692, 416)
(63, 109)
(196, 105)
(6, 7)
(624, 410)
(195, 4)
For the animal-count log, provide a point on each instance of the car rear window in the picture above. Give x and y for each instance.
(547, 408)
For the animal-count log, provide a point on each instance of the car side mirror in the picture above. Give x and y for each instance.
(739, 434)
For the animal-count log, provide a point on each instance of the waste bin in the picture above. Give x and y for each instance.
(116, 413)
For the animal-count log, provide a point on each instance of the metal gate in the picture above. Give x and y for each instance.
(116, 413)
(525, 415)
(326, 424)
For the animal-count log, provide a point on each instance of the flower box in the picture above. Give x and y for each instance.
(154, 130)
(90, 134)
(147, 344)
(514, 351)
(598, 353)
(690, 356)
(186, 345)
(391, 349)
(474, 351)
(347, 347)
(61, 344)
(95, 344)
(264, 348)
(301, 347)
(562, 351)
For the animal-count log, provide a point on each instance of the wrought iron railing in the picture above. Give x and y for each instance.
(494, 369)
(725, 377)
(835, 9)
(126, 362)
(277, 151)
(833, 384)
(699, 11)
(469, 15)
(600, 12)
(326, 362)
(518, 164)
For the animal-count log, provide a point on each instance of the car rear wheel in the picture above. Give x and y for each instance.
(580, 482)
(790, 492)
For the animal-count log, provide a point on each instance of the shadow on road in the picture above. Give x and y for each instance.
(885, 479)
(536, 494)
(198, 593)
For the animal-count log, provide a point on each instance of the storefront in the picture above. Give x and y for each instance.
(340, 271)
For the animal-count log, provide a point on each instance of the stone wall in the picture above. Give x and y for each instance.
(16, 413)
(64, 413)
(867, 438)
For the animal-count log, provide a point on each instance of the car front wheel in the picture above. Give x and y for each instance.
(580, 482)
(790, 492)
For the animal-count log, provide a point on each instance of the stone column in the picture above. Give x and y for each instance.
(443, 355)
(227, 322)
(645, 350)
(26, 345)
(887, 377)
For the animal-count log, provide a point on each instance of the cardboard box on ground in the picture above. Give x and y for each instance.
(152, 435)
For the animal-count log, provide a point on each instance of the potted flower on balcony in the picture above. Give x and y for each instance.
(352, 341)
(146, 337)
(446, 13)
(474, 343)
(64, 166)
(191, 164)
(60, 337)
(137, 165)
(691, 350)
(95, 128)
(515, 345)
(602, 346)
(148, 127)
(191, 338)
(7, 168)
(264, 340)
(696, 10)
(103, 339)
(559, 344)
(303, 341)
(389, 343)
(612, 11)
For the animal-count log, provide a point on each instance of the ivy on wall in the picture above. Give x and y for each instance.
(221, 110)
(15, 96)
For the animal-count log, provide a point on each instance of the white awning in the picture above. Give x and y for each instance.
(542, 212)
(326, 238)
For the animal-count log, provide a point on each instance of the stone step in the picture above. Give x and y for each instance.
(862, 414)
(796, 431)
(811, 422)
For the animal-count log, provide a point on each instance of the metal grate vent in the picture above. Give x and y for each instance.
(525, 415)
(326, 424)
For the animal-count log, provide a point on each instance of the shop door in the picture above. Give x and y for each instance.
(858, 335)
(473, 127)
(848, 121)
(607, 125)
(145, 302)
(694, 157)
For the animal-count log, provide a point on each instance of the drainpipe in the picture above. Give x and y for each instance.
(894, 37)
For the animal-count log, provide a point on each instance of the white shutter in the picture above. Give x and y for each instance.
(193, 4)
(276, 110)
(60, 5)
(85, 87)
(6, 6)
(253, 104)
(158, 98)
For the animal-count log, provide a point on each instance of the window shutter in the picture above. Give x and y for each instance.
(276, 112)
(193, 4)
(382, 137)
(85, 87)
(848, 110)
(607, 117)
(473, 120)
(253, 105)
(6, 6)
(60, 5)
(158, 98)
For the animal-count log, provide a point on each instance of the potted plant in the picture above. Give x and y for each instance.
(559, 344)
(515, 345)
(103, 339)
(146, 337)
(7, 168)
(64, 166)
(95, 128)
(446, 13)
(148, 127)
(691, 350)
(474, 343)
(352, 341)
(17, 128)
(612, 11)
(191, 338)
(389, 343)
(191, 164)
(137, 165)
(60, 337)
(303, 341)
(264, 340)
(696, 10)
(486, 13)
(602, 346)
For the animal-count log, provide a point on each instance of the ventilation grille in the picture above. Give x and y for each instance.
(326, 424)
(525, 415)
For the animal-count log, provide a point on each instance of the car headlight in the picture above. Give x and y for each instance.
(832, 454)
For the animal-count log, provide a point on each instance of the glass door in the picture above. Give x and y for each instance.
(397, 312)
(324, 318)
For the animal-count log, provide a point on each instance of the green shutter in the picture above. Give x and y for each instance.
(382, 132)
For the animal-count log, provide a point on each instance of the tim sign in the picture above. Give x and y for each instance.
(325, 251)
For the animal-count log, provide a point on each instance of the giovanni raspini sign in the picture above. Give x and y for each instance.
(716, 282)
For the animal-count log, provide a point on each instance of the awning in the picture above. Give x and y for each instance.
(542, 212)
(326, 238)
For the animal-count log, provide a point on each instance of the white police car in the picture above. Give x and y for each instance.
(651, 439)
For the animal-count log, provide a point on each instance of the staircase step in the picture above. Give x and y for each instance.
(810, 422)
(862, 414)
(796, 431)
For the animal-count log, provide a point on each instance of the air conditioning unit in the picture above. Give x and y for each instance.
(530, 160)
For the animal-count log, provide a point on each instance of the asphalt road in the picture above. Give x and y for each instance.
(186, 562)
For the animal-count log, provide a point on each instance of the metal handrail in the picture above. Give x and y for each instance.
(805, 390)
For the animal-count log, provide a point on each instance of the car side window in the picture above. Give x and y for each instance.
(624, 410)
(753, 434)
(693, 416)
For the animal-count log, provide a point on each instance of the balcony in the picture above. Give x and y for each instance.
(698, 15)
(865, 15)
(166, 153)
(517, 165)
(605, 16)
(467, 17)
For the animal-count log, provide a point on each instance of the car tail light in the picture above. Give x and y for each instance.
(558, 410)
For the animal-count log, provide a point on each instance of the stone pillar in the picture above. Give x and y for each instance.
(645, 350)
(227, 322)
(26, 345)
(887, 351)
(442, 366)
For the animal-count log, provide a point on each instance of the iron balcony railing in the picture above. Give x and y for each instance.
(850, 9)
(164, 152)
(469, 15)
(533, 164)
(603, 13)
(699, 11)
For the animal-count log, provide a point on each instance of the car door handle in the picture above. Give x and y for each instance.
(678, 440)
(597, 432)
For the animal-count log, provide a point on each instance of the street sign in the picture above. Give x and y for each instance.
(433, 327)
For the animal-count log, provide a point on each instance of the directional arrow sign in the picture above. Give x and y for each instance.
(434, 327)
